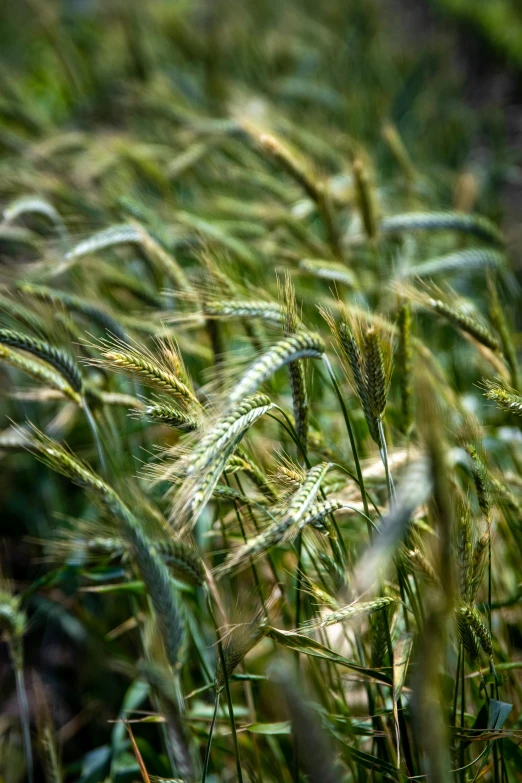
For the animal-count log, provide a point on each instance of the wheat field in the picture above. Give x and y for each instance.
(260, 448)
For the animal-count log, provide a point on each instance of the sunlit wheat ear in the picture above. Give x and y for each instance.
(153, 570)
(506, 398)
(60, 459)
(285, 526)
(288, 476)
(58, 358)
(296, 368)
(298, 346)
(204, 464)
(162, 370)
(320, 595)
(165, 412)
(347, 613)
(464, 553)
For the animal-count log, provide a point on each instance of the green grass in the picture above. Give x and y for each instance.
(258, 321)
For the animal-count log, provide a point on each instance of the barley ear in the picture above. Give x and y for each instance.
(506, 398)
(376, 376)
(481, 481)
(464, 554)
(404, 366)
(296, 369)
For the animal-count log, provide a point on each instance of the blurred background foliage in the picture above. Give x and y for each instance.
(114, 109)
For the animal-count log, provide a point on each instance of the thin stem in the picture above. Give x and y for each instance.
(462, 710)
(24, 719)
(227, 692)
(209, 741)
(252, 565)
(392, 497)
(456, 692)
(291, 431)
(96, 436)
(351, 436)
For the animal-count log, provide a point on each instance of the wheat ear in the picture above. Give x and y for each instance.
(506, 398)
(154, 572)
(298, 346)
(56, 357)
(296, 369)
(404, 365)
(39, 371)
(347, 613)
(285, 525)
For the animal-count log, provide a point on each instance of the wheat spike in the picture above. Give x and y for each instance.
(443, 221)
(56, 357)
(506, 398)
(404, 365)
(298, 346)
(347, 613)
(39, 371)
(465, 554)
(475, 624)
(285, 526)
(152, 568)
(170, 414)
(466, 323)
(296, 369)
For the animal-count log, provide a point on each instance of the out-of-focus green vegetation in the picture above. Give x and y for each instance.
(498, 21)
(258, 322)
